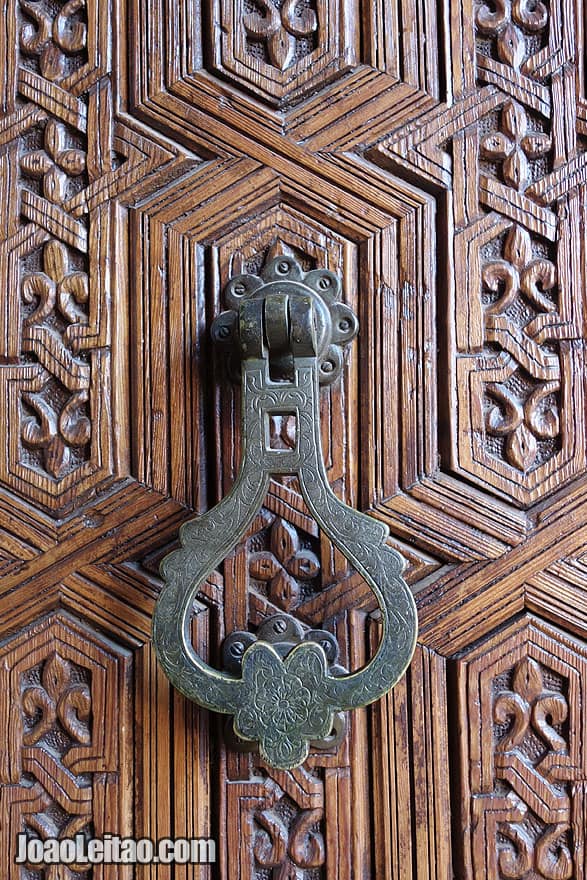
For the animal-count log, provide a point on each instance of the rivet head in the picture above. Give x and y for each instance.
(344, 325)
(327, 366)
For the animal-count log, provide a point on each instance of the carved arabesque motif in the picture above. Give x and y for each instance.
(281, 48)
(515, 147)
(289, 841)
(286, 31)
(523, 372)
(57, 393)
(514, 27)
(62, 690)
(287, 568)
(506, 147)
(528, 745)
(56, 35)
(59, 703)
(55, 419)
(287, 817)
(64, 158)
(523, 409)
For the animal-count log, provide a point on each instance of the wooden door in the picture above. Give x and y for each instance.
(434, 156)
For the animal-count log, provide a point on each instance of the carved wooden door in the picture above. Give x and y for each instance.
(433, 154)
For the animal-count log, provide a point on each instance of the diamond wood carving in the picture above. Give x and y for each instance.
(431, 153)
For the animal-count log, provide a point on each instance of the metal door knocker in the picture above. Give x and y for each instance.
(285, 330)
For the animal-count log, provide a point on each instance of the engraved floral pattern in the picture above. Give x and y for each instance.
(285, 702)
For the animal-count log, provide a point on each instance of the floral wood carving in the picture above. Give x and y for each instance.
(517, 325)
(511, 23)
(514, 145)
(65, 156)
(283, 31)
(533, 716)
(528, 782)
(55, 34)
(55, 164)
(57, 680)
(289, 842)
(286, 567)
(524, 412)
(61, 698)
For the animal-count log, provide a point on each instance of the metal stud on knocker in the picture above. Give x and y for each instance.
(284, 333)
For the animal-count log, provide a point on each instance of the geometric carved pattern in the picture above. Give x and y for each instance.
(283, 827)
(518, 311)
(283, 49)
(63, 158)
(523, 704)
(64, 695)
(520, 370)
(299, 112)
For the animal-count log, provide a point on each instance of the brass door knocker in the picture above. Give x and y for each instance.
(285, 330)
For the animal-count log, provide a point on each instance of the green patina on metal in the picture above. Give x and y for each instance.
(285, 330)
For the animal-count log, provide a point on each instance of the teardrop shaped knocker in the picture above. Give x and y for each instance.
(285, 330)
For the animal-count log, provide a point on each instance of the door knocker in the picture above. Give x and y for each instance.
(285, 332)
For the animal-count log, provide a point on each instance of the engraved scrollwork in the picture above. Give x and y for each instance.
(284, 703)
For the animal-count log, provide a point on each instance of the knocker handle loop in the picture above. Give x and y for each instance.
(286, 331)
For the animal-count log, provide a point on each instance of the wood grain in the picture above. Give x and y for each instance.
(434, 156)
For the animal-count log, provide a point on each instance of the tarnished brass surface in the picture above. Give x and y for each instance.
(287, 328)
